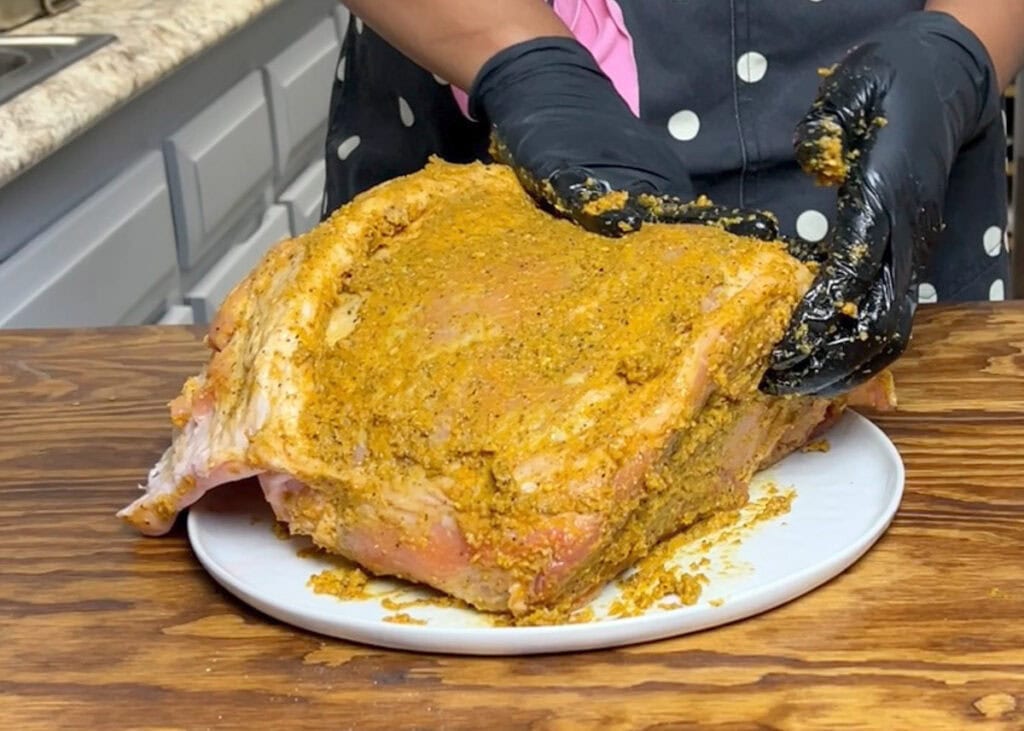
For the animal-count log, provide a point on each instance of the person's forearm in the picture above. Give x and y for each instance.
(999, 24)
(454, 38)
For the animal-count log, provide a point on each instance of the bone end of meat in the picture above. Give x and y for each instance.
(151, 515)
(154, 513)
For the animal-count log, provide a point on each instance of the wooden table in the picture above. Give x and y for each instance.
(103, 629)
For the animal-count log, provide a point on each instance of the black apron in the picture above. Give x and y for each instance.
(726, 80)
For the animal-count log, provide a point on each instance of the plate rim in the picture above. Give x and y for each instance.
(617, 632)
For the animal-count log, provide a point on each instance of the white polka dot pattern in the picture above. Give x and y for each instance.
(811, 225)
(993, 240)
(751, 67)
(684, 125)
(997, 292)
(926, 293)
(348, 146)
(405, 112)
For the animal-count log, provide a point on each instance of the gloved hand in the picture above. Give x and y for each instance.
(886, 127)
(576, 146)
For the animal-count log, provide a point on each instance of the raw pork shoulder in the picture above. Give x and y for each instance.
(446, 384)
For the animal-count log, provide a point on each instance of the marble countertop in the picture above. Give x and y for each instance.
(154, 37)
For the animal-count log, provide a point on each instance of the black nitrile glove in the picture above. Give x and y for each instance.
(886, 127)
(576, 146)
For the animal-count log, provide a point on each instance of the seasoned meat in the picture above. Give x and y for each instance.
(444, 383)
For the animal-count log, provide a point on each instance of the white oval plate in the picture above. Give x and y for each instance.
(845, 500)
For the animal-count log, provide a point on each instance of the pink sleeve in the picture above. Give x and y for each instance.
(600, 27)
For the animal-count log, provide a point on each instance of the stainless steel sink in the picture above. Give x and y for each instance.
(25, 60)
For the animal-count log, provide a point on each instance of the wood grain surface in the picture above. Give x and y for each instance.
(103, 629)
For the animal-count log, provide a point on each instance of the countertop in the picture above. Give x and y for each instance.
(104, 629)
(154, 37)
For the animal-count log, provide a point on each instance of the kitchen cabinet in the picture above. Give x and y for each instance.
(177, 315)
(219, 165)
(110, 260)
(230, 269)
(155, 213)
(304, 198)
(299, 86)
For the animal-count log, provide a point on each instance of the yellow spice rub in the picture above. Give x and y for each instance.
(650, 585)
(655, 579)
(614, 201)
(773, 506)
(650, 582)
(393, 605)
(403, 618)
(343, 583)
(829, 164)
(818, 445)
(499, 362)
(523, 328)
(522, 325)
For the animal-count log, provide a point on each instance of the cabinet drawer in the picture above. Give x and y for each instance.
(299, 85)
(177, 315)
(110, 260)
(220, 164)
(304, 198)
(206, 297)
